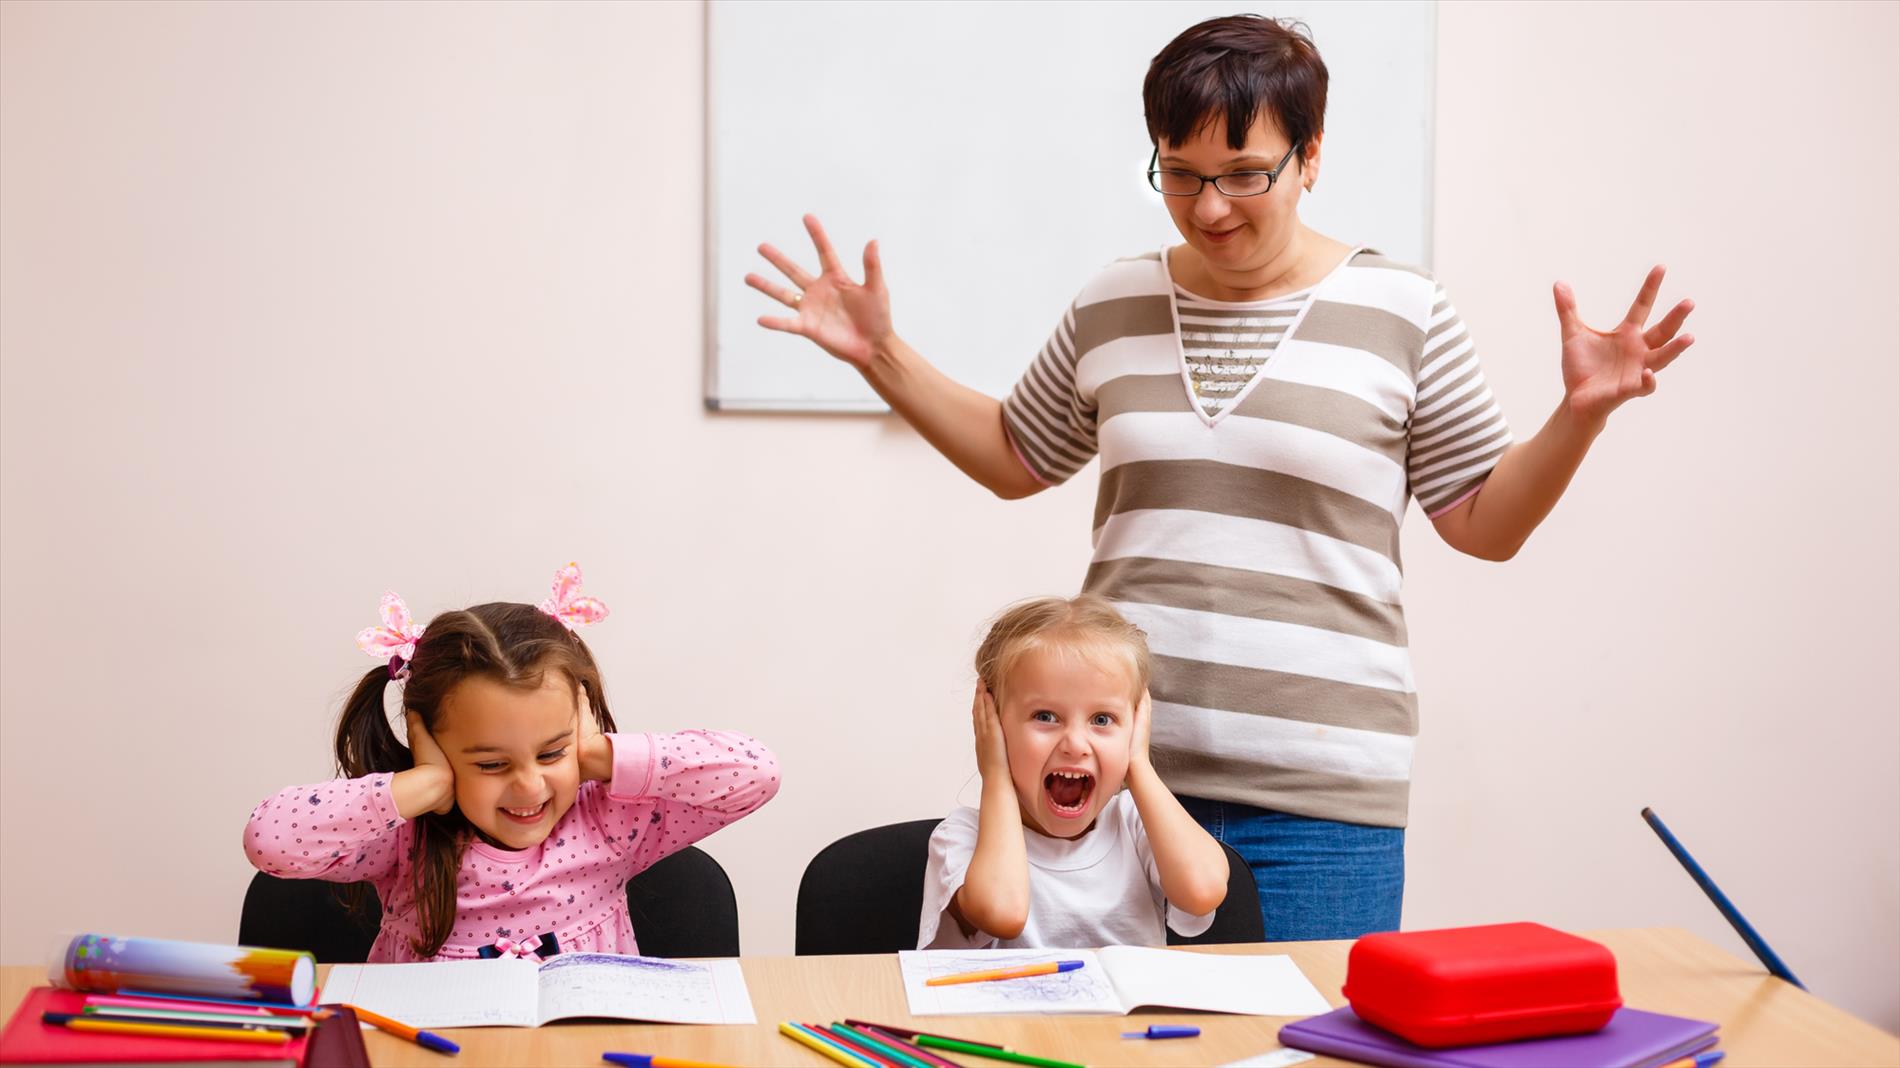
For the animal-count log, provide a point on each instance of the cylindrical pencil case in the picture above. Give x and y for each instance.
(105, 964)
(1466, 986)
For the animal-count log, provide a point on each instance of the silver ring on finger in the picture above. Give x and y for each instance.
(796, 298)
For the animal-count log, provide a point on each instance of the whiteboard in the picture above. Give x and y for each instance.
(998, 154)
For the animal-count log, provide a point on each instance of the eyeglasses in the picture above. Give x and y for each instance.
(1174, 183)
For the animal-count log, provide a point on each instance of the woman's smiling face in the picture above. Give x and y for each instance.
(1238, 235)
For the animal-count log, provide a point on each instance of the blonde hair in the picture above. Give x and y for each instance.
(1084, 624)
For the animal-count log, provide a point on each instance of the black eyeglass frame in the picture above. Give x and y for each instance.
(1155, 171)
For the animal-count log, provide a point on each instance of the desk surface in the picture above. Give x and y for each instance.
(1764, 1021)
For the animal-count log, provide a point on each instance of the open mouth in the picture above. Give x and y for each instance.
(526, 815)
(1218, 237)
(1068, 792)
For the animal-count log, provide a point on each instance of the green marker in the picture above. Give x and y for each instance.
(991, 1052)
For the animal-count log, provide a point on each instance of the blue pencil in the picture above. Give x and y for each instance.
(1722, 904)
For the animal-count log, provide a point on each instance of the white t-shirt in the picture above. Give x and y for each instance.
(1099, 889)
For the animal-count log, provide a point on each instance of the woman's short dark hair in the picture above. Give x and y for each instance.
(1235, 67)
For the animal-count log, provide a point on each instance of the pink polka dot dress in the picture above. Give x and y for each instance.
(667, 792)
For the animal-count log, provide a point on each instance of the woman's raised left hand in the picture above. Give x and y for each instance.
(1602, 369)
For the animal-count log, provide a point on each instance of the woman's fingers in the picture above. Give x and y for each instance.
(1666, 355)
(785, 265)
(1645, 297)
(873, 267)
(1663, 331)
(783, 326)
(827, 257)
(1568, 324)
(772, 289)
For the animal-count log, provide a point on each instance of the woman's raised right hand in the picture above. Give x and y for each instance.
(845, 318)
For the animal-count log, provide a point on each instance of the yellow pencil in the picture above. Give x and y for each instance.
(1049, 968)
(121, 1027)
(793, 1032)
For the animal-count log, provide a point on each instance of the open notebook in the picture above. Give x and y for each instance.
(512, 992)
(1115, 979)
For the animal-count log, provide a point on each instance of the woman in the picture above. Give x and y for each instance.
(1266, 400)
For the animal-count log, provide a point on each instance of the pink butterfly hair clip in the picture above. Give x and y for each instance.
(565, 602)
(394, 641)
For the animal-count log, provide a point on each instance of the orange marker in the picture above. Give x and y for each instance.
(1050, 968)
(425, 1039)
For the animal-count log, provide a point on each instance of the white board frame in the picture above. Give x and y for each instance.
(796, 91)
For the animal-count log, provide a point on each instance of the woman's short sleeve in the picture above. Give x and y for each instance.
(1050, 425)
(1458, 431)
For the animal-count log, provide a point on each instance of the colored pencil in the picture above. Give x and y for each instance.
(77, 1022)
(910, 1048)
(117, 1002)
(263, 1020)
(654, 1060)
(805, 1038)
(993, 1053)
(857, 1047)
(1049, 968)
(425, 1039)
(267, 1006)
(911, 1036)
(1699, 1060)
(876, 1045)
(1722, 904)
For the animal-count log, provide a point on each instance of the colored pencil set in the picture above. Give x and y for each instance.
(220, 1020)
(858, 1044)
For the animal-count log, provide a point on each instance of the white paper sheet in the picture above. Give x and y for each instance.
(1245, 985)
(451, 993)
(644, 988)
(1084, 990)
(1115, 980)
(513, 992)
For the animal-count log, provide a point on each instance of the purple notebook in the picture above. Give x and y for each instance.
(1632, 1039)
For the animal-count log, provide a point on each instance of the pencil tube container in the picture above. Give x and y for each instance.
(106, 964)
(1466, 986)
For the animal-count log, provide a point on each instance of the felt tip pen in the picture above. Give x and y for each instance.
(1050, 968)
(1164, 1031)
(1699, 1060)
(425, 1039)
(654, 1060)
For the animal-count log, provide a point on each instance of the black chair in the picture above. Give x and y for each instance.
(681, 907)
(863, 892)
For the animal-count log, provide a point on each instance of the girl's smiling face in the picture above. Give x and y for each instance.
(1068, 720)
(515, 753)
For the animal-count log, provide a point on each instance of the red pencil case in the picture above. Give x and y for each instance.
(1467, 986)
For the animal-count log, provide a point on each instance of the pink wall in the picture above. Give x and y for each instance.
(303, 301)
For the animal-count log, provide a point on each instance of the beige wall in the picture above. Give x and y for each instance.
(301, 301)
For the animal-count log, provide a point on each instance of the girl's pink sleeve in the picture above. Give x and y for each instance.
(670, 790)
(345, 831)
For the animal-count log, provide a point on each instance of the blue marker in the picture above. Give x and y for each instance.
(1164, 1031)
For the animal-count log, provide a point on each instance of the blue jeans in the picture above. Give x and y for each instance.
(1318, 879)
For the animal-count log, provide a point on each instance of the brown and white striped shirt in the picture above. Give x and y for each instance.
(1258, 545)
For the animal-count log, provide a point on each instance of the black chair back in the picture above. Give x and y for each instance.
(863, 893)
(682, 906)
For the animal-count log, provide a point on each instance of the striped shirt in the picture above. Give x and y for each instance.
(1258, 547)
(1226, 343)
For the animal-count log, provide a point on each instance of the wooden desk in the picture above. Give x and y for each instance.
(1764, 1021)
